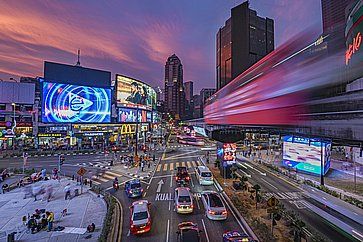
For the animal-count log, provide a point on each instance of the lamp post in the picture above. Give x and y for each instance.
(14, 125)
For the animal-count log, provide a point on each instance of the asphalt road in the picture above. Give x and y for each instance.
(292, 197)
(164, 219)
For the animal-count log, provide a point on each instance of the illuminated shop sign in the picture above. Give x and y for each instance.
(353, 47)
(128, 129)
(93, 134)
(49, 135)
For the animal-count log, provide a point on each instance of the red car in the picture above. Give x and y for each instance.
(140, 219)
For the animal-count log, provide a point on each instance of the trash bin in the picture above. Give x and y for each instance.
(11, 237)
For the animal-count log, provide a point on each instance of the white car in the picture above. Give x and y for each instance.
(140, 219)
(213, 205)
(204, 176)
(183, 200)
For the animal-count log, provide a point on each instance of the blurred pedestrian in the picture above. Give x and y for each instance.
(48, 192)
(43, 173)
(67, 191)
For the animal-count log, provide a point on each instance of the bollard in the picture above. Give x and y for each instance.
(90, 183)
(72, 177)
(85, 181)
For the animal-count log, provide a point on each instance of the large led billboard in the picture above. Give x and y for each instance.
(132, 115)
(305, 154)
(65, 103)
(133, 93)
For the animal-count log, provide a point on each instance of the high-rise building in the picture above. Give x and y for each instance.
(242, 41)
(188, 89)
(205, 93)
(174, 89)
(196, 106)
(334, 18)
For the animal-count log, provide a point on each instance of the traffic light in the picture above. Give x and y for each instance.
(61, 160)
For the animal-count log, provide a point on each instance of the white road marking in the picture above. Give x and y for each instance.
(197, 200)
(144, 194)
(205, 231)
(167, 231)
(169, 205)
(262, 173)
(269, 184)
(171, 181)
(191, 181)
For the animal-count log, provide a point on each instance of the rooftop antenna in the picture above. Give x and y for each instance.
(79, 55)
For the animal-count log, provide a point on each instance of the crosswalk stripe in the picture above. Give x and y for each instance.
(199, 163)
(165, 167)
(101, 179)
(108, 176)
(112, 173)
(188, 164)
(194, 163)
(177, 164)
(96, 182)
(171, 166)
(183, 163)
(159, 168)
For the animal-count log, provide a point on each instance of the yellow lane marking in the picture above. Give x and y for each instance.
(165, 167)
(183, 163)
(188, 164)
(171, 166)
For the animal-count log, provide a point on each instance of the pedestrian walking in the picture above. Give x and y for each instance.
(48, 192)
(67, 191)
(142, 165)
(50, 220)
(43, 173)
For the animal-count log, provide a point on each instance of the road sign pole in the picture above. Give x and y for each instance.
(81, 184)
(272, 224)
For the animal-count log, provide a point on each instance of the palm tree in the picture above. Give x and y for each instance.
(256, 188)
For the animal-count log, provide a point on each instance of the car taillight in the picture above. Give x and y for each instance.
(132, 226)
(211, 212)
(178, 206)
(176, 178)
(224, 213)
(187, 178)
(191, 206)
(130, 191)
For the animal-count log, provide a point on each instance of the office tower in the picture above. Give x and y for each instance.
(174, 90)
(242, 41)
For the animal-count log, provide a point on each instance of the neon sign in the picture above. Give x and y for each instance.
(353, 47)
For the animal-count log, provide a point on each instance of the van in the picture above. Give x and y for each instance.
(204, 175)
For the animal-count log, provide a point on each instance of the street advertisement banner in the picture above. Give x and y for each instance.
(65, 103)
(304, 154)
(226, 153)
(134, 93)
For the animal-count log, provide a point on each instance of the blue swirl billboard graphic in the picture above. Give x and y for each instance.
(65, 103)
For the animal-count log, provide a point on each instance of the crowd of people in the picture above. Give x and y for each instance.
(141, 161)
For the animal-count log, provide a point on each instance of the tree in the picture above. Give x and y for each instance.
(256, 189)
(243, 181)
(233, 172)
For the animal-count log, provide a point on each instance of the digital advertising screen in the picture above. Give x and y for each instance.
(148, 116)
(127, 115)
(226, 153)
(200, 131)
(132, 93)
(304, 154)
(66, 103)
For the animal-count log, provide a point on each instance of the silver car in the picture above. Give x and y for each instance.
(214, 207)
(183, 200)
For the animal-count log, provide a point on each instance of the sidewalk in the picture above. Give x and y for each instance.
(82, 211)
(334, 176)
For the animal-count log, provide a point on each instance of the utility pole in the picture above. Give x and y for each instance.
(321, 164)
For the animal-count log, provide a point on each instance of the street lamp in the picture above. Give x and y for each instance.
(14, 125)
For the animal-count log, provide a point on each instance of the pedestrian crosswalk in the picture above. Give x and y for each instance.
(105, 177)
(170, 166)
(283, 195)
(104, 164)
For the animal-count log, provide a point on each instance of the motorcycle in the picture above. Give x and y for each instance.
(115, 186)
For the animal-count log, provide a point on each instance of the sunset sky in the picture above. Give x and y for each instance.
(131, 37)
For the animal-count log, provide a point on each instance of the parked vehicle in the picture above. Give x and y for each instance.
(133, 188)
(214, 207)
(182, 176)
(204, 175)
(140, 219)
(188, 232)
(183, 200)
(235, 236)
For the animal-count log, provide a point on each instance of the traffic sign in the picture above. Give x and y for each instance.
(81, 171)
(272, 202)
